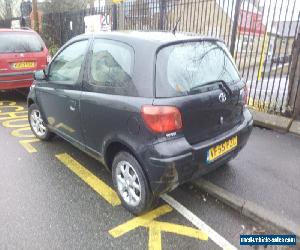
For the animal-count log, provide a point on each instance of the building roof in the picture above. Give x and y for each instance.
(285, 28)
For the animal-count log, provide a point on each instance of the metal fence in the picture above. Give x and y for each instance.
(261, 35)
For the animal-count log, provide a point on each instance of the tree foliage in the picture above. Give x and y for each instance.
(9, 9)
(66, 5)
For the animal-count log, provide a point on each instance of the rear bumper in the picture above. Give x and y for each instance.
(16, 80)
(173, 162)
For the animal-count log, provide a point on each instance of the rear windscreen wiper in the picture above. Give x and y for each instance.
(222, 85)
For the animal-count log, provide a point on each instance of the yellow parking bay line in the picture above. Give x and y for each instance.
(27, 144)
(139, 221)
(157, 227)
(94, 182)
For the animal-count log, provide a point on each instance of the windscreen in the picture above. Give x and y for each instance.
(20, 42)
(185, 66)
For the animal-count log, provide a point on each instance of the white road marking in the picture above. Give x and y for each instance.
(196, 221)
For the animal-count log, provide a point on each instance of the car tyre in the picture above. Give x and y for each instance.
(37, 124)
(131, 183)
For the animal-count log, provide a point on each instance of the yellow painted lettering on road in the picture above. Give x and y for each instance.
(13, 115)
(156, 227)
(27, 144)
(15, 107)
(20, 132)
(7, 103)
(94, 182)
(15, 123)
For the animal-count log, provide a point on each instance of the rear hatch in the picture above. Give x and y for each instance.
(200, 78)
(21, 51)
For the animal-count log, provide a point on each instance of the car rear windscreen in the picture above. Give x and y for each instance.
(184, 66)
(20, 42)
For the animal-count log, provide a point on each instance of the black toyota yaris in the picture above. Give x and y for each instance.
(157, 109)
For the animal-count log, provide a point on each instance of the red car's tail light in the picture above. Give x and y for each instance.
(162, 119)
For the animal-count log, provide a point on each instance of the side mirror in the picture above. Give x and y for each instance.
(40, 75)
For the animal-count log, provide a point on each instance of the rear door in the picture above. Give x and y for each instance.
(201, 79)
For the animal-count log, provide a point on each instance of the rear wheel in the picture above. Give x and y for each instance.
(37, 124)
(131, 183)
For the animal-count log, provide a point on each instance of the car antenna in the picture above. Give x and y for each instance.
(175, 27)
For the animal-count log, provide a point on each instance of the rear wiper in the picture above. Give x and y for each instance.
(222, 85)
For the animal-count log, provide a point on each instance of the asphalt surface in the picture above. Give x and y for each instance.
(44, 205)
(267, 172)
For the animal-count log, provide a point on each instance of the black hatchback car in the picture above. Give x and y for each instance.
(157, 109)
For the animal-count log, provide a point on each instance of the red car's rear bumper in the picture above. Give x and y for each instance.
(16, 80)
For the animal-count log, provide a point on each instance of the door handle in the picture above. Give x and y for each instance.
(73, 105)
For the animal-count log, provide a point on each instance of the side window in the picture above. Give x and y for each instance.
(111, 67)
(66, 66)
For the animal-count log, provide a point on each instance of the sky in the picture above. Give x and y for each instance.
(287, 6)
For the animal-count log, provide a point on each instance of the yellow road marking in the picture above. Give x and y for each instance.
(12, 115)
(12, 123)
(142, 220)
(154, 238)
(27, 145)
(16, 107)
(180, 229)
(18, 132)
(156, 227)
(2, 103)
(94, 182)
(261, 62)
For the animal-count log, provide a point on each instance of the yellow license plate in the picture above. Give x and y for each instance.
(221, 149)
(23, 65)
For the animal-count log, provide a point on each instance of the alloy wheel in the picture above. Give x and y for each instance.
(128, 183)
(37, 123)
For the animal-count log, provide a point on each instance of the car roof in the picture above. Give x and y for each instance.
(145, 44)
(156, 39)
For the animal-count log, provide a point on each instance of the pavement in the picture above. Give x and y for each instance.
(270, 121)
(53, 196)
(266, 172)
(270, 92)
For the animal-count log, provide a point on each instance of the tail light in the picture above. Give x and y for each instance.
(162, 119)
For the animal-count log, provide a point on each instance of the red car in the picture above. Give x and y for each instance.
(21, 53)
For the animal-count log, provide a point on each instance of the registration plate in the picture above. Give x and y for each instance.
(23, 65)
(221, 149)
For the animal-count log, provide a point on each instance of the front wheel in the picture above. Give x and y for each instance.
(37, 124)
(131, 183)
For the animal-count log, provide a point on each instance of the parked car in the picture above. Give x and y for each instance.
(22, 52)
(157, 109)
(281, 59)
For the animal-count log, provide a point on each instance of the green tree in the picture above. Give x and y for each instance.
(66, 5)
(9, 9)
